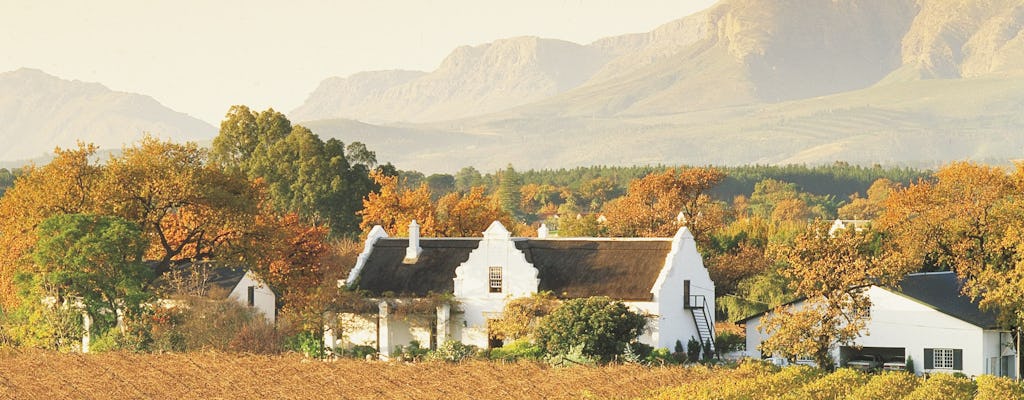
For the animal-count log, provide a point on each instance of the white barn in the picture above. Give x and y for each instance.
(928, 320)
(662, 277)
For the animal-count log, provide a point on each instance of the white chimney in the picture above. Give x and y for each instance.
(412, 253)
(542, 232)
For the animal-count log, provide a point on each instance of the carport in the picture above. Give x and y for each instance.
(885, 353)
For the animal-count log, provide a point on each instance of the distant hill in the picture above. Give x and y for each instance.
(746, 81)
(39, 112)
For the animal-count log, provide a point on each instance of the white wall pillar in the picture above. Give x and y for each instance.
(383, 331)
(444, 313)
(412, 253)
(86, 336)
(330, 338)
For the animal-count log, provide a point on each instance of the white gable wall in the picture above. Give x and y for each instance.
(674, 322)
(472, 284)
(264, 299)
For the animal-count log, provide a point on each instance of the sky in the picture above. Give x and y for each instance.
(200, 57)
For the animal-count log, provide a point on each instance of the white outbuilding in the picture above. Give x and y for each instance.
(928, 321)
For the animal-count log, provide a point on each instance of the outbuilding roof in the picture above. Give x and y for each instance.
(941, 291)
(624, 269)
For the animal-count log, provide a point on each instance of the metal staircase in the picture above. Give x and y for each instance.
(698, 307)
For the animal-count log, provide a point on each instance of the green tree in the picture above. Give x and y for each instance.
(96, 260)
(508, 190)
(602, 326)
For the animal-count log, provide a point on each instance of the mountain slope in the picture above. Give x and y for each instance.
(470, 81)
(39, 112)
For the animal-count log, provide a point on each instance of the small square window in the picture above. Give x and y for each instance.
(494, 279)
(943, 359)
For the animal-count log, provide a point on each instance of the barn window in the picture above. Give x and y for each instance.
(494, 279)
(252, 296)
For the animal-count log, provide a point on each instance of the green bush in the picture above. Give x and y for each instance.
(517, 350)
(453, 351)
(660, 357)
(727, 342)
(693, 350)
(412, 352)
(600, 325)
(308, 343)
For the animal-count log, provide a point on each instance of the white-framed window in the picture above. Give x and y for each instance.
(942, 359)
(494, 279)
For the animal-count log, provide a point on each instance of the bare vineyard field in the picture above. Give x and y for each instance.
(48, 375)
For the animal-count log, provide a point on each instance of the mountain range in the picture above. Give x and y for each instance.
(916, 82)
(39, 112)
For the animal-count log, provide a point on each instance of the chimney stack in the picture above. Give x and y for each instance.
(412, 253)
(542, 232)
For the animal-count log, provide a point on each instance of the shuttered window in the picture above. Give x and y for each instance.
(944, 359)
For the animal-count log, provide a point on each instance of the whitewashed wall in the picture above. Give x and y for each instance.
(519, 279)
(264, 299)
(682, 263)
(899, 322)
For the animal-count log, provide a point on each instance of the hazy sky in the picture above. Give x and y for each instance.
(200, 57)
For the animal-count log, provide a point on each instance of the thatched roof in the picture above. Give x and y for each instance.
(201, 276)
(433, 271)
(570, 268)
(574, 268)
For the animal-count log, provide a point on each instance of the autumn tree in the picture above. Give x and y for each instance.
(831, 272)
(393, 207)
(520, 317)
(187, 208)
(64, 186)
(967, 219)
(872, 206)
(653, 205)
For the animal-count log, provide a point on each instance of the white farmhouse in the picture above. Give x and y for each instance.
(930, 322)
(662, 277)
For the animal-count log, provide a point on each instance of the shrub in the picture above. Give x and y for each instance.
(453, 351)
(693, 350)
(887, 385)
(726, 342)
(944, 386)
(573, 357)
(708, 351)
(517, 350)
(998, 388)
(412, 352)
(660, 357)
(308, 343)
(600, 325)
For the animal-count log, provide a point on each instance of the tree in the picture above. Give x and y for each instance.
(969, 219)
(508, 194)
(186, 208)
(831, 272)
(95, 260)
(64, 186)
(520, 317)
(653, 205)
(602, 326)
(393, 207)
(873, 205)
(303, 174)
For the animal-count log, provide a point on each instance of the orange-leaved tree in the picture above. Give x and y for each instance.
(657, 204)
(832, 273)
(969, 219)
(64, 186)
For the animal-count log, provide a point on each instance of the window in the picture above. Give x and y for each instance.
(494, 279)
(252, 296)
(943, 359)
